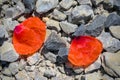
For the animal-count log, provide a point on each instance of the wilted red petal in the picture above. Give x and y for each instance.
(84, 50)
(29, 36)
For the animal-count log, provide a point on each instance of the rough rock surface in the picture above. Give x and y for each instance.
(111, 62)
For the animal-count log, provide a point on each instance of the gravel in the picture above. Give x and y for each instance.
(13, 67)
(43, 6)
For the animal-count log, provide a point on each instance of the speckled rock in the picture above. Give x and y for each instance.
(13, 67)
(112, 19)
(54, 26)
(66, 4)
(80, 30)
(7, 77)
(43, 6)
(111, 62)
(50, 73)
(80, 13)
(94, 76)
(29, 5)
(54, 42)
(58, 15)
(6, 72)
(97, 26)
(106, 77)
(67, 27)
(22, 75)
(9, 24)
(33, 59)
(8, 53)
(85, 2)
(115, 30)
(110, 44)
(96, 2)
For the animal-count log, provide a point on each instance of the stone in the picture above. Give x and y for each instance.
(3, 35)
(33, 59)
(84, 2)
(7, 78)
(112, 20)
(111, 62)
(66, 4)
(22, 64)
(115, 30)
(117, 4)
(110, 44)
(54, 42)
(54, 26)
(80, 14)
(108, 4)
(95, 66)
(43, 6)
(30, 68)
(3, 32)
(106, 77)
(8, 53)
(97, 26)
(6, 72)
(62, 55)
(96, 2)
(58, 15)
(29, 5)
(93, 76)
(13, 67)
(80, 31)
(15, 11)
(117, 78)
(78, 70)
(50, 56)
(22, 75)
(9, 24)
(50, 73)
(67, 27)
(38, 76)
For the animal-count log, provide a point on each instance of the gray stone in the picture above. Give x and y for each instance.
(29, 5)
(3, 32)
(6, 72)
(94, 76)
(110, 44)
(9, 24)
(58, 15)
(13, 67)
(50, 56)
(33, 59)
(50, 73)
(106, 77)
(80, 30)
(108, 4)
(22, 64)
(15, 11)
(8, 53)
(111, 62)
(43, 6)
(22, 75)
(67, 27)
(38, 76)
(66, 4)
(54, 42)
(55, 26)
(95, 66)
(96, 2)
(117, 3)
(30, 68)
(117, 78)
(112, 20)
(84, 2)
(62, 55)
(80, 13)
(115, 30)
(97, 26)
(78, 70)
(7, 78)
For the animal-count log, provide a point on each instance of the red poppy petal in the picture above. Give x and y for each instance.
(84, 50)
(29, 36)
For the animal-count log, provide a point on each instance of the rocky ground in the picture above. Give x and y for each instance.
(65, 19)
